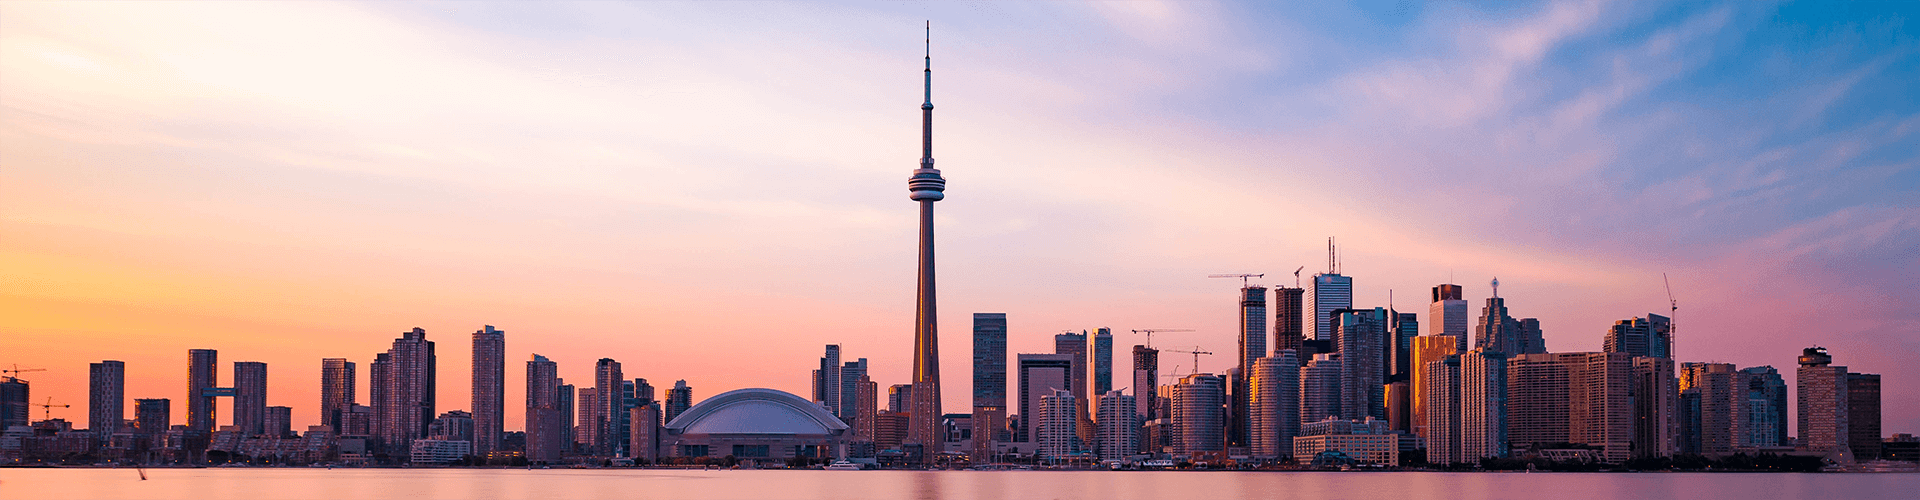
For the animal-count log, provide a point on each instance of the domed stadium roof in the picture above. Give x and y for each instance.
(756, 411)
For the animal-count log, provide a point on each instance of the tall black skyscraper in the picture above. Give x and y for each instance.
(202, 368)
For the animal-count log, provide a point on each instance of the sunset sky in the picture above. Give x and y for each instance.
(713, 191)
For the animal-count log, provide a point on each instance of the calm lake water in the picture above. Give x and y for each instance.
(426, 484)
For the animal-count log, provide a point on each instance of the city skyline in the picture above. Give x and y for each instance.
(141, 222)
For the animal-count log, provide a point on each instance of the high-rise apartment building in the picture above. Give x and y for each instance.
(1055, 430)
(1447, 315)
(1199, 419)
(1823, 413)
(1361, 337)
(1273, 419)
(106, 397)
(1329, 292)
(489, 389)
(1442, 412)
(989, 383)
(1578, 397)
(1863, 415)
(1710, 391)
(250, 397)
(1760, 415)
(568, 411)
(336, 391)
(866, 399)
(1040, 375)
(547, 435)
(277, 422)
(1651, 336)
(589, 422)
(1427, 349)
(679, 399)
(152, 418)
(202, 369)
(611, 417)
(1656, 412)
(1289, 318)
(1483, 405)
(410, 393)
(1119, 427)
(1320, 394)
(644, 436)
(1146, 382)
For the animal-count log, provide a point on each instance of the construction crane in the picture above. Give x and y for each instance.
(1196, 352)
(1245, 279)
(1296, 276)
(16, 372)
(50, 406)
(1674, 309)
(1149, 332)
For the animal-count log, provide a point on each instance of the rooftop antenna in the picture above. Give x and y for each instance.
(1333, 257)
(1496, 287)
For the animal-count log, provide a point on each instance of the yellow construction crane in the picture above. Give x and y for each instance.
(49, 406)
(1245, 279)
(1196, 352)
(1150, 331)
(16, 371)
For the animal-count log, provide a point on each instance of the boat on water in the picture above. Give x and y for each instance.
(843, 465)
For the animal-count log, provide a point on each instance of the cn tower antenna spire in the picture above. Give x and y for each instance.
(925, 187)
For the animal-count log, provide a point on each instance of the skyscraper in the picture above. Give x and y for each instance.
(1442, 409)
(826, 380)
(1401, 329)
(1823, 415)
(336, 391)
(1427, 349)
(1040, 375)
(1119, 432)
(1447, 315)
(547, 434)
(14, 394)
(1100, 358)
(1761, 417)
(566, 396)
(1198, 414)
(1074, 346)
(611, 417)
(989, 382)
(850, 375)
(1361, 336)
(927, 187)
(866, 399)
(1574, 397)
(250, 397)
(1650, 336)
(1863, 415)
(379, 385)
(1330, 292)
(1483, 405)
(1253, 346)
(106, 397)
(1273, 419)
(1501, 332)
(1146, 380)
(588, 421)
(202, 367)
(1320, 392)
(900, 398)
(679, 399)
(1656, 400)
(1289, 317)
(489, 389)
(411, 393)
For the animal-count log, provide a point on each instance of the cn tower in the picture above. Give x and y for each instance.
(927, 187)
